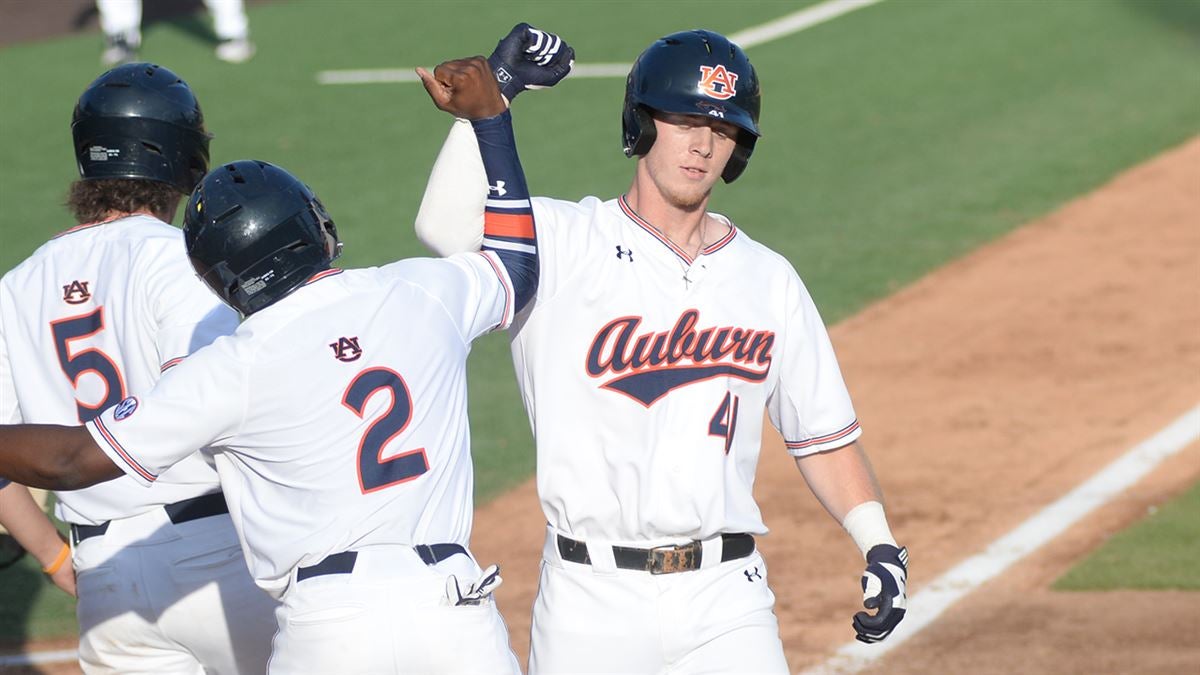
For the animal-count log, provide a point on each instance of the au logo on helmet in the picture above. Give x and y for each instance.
(717, 82)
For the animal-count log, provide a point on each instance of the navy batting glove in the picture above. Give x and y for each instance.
(528, 58)
(883, 585)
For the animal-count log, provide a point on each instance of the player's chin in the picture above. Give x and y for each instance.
(690, 195)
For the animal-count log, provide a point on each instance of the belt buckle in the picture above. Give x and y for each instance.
(668, 559)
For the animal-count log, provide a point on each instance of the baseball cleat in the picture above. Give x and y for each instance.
(235, 51)
(119, 50)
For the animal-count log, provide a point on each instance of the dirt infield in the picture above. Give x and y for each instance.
(987, 390)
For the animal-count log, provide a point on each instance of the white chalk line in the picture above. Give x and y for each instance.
(772, 30)
(927, 605)
(797, 21)
(39, 658)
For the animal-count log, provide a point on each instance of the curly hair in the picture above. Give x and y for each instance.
(91, 201)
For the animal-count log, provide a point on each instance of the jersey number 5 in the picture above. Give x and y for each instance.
(374, 472)
(68, 330)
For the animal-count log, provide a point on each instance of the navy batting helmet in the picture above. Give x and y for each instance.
(140, 120)
(695, 72)
(255, 233)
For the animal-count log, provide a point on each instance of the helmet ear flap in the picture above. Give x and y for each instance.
(640, 131)
(740, 157)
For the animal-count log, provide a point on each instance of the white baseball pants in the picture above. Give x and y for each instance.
(389, 615)
(124, 17)
(596, 618)
(159, 598)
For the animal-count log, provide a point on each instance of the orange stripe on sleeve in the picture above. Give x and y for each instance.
(508, 225)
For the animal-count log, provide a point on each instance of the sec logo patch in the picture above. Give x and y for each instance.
(125, 408)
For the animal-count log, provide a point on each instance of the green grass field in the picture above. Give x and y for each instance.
(1157, 554)
(896, 138)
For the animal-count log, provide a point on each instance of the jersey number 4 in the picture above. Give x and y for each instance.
(724, 421)
(68, 330)
(375, 472)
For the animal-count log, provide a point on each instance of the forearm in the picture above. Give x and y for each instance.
(508, 227)
(52, 457)
(842, 480)
(450, 218)
(28, 524)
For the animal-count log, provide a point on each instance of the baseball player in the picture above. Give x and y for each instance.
(335, 414)
(121, 22)
(100, 311)
(659, 333)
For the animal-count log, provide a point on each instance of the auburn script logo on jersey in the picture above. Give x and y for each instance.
(648, 366)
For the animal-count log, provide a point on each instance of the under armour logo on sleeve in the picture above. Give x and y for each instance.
(624, 252)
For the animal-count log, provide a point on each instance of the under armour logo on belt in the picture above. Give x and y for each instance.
(751, 574)
(624, 252)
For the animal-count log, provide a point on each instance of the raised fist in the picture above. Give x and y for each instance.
(528, 58)
(463, 88)
(883, 584)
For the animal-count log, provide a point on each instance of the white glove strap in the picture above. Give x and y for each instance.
(868, 526)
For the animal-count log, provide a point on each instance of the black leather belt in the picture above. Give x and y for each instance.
(343, 563)
(212, 504)
(660, 559)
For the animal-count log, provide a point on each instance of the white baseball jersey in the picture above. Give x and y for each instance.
(645, 374)
(94, 314)
(337, 416)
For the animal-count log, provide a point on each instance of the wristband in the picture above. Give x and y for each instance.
(868, 526)
(53, 567)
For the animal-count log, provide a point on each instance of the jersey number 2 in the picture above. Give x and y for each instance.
(374, 472)
(724, 421)
(65, 332)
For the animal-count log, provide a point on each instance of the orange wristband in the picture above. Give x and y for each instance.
(58, 562)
